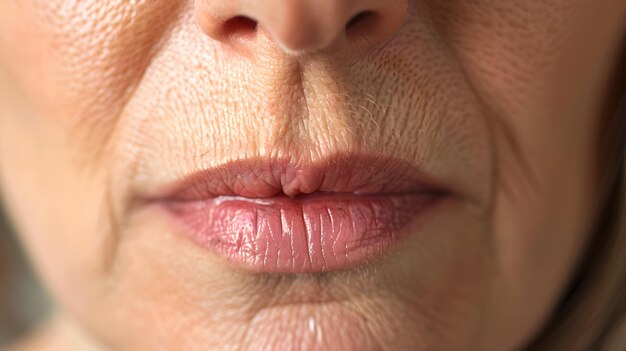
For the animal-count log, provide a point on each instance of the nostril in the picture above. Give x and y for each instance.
(362, 24)
(360, 19)
(357, 18)
(239, 26)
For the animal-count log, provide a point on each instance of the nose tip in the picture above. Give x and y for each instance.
(300, 26)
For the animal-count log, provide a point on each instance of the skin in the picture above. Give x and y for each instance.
(503, 102)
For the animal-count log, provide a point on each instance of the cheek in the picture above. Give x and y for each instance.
(542, 75)
(49, 121)
(63, 233)
(81, 61)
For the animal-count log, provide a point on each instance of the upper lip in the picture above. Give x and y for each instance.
(270, 177)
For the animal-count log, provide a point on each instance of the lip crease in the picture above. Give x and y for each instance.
(276, 216)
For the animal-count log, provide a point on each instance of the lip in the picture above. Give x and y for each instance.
(276, 216)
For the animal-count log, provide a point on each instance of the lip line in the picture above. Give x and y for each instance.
(273, 178)
(322, 196)
(308, 198)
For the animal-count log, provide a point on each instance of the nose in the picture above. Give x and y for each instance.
(301, 26)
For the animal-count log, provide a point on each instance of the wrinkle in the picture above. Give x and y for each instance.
(110, 125)
(116, 47)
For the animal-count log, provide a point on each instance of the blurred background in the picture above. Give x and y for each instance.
(23, 302)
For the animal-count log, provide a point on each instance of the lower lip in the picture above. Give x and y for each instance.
(312, 234)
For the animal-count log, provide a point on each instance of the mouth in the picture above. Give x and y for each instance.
(275, 216)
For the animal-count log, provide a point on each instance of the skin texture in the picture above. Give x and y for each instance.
(502, 101)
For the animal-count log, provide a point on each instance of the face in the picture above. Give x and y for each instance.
(176, 171)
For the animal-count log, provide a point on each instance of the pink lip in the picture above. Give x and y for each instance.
(275, 216)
